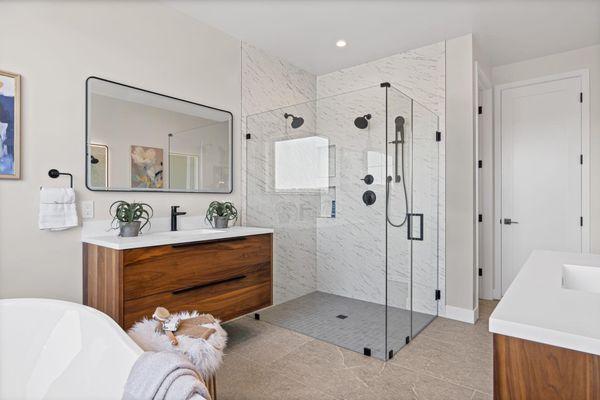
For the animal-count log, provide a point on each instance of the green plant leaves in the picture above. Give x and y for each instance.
(221, 209)
(124, 212)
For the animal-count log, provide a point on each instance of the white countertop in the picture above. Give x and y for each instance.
(536, 307)
(165, 238)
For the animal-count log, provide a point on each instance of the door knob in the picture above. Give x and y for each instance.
(508, 221)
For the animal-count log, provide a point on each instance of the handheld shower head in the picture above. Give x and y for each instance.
(297, 122)
(399, 121)
(362, 122)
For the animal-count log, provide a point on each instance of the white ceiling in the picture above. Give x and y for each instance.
(304, 32)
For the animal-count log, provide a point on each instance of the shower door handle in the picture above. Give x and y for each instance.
(411, 226)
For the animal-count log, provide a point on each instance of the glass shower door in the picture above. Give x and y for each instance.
(423, 222)
(398, 206)
(412, 219)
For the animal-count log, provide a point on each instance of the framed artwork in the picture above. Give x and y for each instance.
(99, 165)
(146, 167)
(10, 121)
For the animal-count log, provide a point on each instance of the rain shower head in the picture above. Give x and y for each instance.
(362, 122)
(296, 121)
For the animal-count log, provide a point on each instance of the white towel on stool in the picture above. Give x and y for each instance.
(57, 209)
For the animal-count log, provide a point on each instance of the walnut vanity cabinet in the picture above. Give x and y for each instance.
(535, 371)
(225, 277)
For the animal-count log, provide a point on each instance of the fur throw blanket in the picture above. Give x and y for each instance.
(206, 355)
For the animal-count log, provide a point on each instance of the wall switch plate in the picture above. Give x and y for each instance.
(87, 209)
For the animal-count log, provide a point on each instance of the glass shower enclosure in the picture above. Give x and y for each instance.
(350, 185)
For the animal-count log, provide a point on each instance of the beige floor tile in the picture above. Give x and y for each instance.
(448, 361)
(473, 338)
(397, 383)
(261, 342)
(243, 379)
(482, 396)
(486, 307)
(335, 371)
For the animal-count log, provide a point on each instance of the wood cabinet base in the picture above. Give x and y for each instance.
(527, 370)
(227, 278)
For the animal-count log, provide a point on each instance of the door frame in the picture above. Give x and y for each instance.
(583, 74)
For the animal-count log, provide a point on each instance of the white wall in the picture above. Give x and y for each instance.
(55, 46)
(585, 58)
(460, 178)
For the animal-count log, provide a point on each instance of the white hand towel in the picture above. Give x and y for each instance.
(57, 209)
(57, 196)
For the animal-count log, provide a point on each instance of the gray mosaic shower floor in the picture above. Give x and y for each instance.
(321, 315)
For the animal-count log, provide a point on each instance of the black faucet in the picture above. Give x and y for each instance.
(174, 214)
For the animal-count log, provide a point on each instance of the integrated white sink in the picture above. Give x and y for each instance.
(581, 277)
(189, 232)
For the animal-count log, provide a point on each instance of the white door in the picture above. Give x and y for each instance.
(541, 171)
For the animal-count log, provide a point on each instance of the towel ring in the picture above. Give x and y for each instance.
(54, 173)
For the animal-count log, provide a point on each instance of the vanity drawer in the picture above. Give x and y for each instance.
(171, 268)
(225, 300)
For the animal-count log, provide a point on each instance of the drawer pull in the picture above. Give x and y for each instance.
(189, 244)
(235, 278)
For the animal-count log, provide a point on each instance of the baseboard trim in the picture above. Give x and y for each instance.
(461, 314)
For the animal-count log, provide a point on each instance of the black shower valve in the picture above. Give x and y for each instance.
(368, 179)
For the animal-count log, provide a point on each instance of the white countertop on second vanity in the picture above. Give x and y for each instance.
(166, 238)
(536, 307)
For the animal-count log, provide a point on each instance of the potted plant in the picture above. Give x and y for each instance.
(128, 217)
(219, 214)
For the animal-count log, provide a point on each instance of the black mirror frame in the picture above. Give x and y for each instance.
(86, 157)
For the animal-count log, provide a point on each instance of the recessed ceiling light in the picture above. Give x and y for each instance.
(340, 43)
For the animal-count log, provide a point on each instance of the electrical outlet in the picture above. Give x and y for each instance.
(87, 209)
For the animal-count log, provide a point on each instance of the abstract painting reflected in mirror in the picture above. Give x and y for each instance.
(146, 167)
(10, 106)
(98, 165)
(156, 142)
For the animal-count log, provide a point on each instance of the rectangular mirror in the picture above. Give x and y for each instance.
(137, 140)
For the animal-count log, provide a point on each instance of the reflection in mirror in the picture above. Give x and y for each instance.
(143, 141)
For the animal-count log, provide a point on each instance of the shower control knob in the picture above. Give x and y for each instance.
(368, 179)
(369, 197)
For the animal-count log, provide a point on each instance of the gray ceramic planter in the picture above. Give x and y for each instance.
(129, 229)
(220, 222)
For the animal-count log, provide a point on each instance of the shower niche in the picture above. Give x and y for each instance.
(309, 167)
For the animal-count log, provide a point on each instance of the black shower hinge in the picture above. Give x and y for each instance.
(480, 217)
(479, 110)
(438, 136)
(438, 294)
(367, 352)
(248, 136)
(480, 271)
(407, 340)
(580, 221)
(480, 164)
(581, 97)
(581, 159)
(257, 316)
(390, 354)
(385, 84)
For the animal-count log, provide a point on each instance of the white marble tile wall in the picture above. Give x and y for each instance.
(269, 83)
(419, 73)
(345, 255)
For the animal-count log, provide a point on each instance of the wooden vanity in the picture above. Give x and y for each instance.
(547, 331)
(227, 277)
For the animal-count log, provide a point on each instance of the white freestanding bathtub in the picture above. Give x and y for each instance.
(51, 349)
